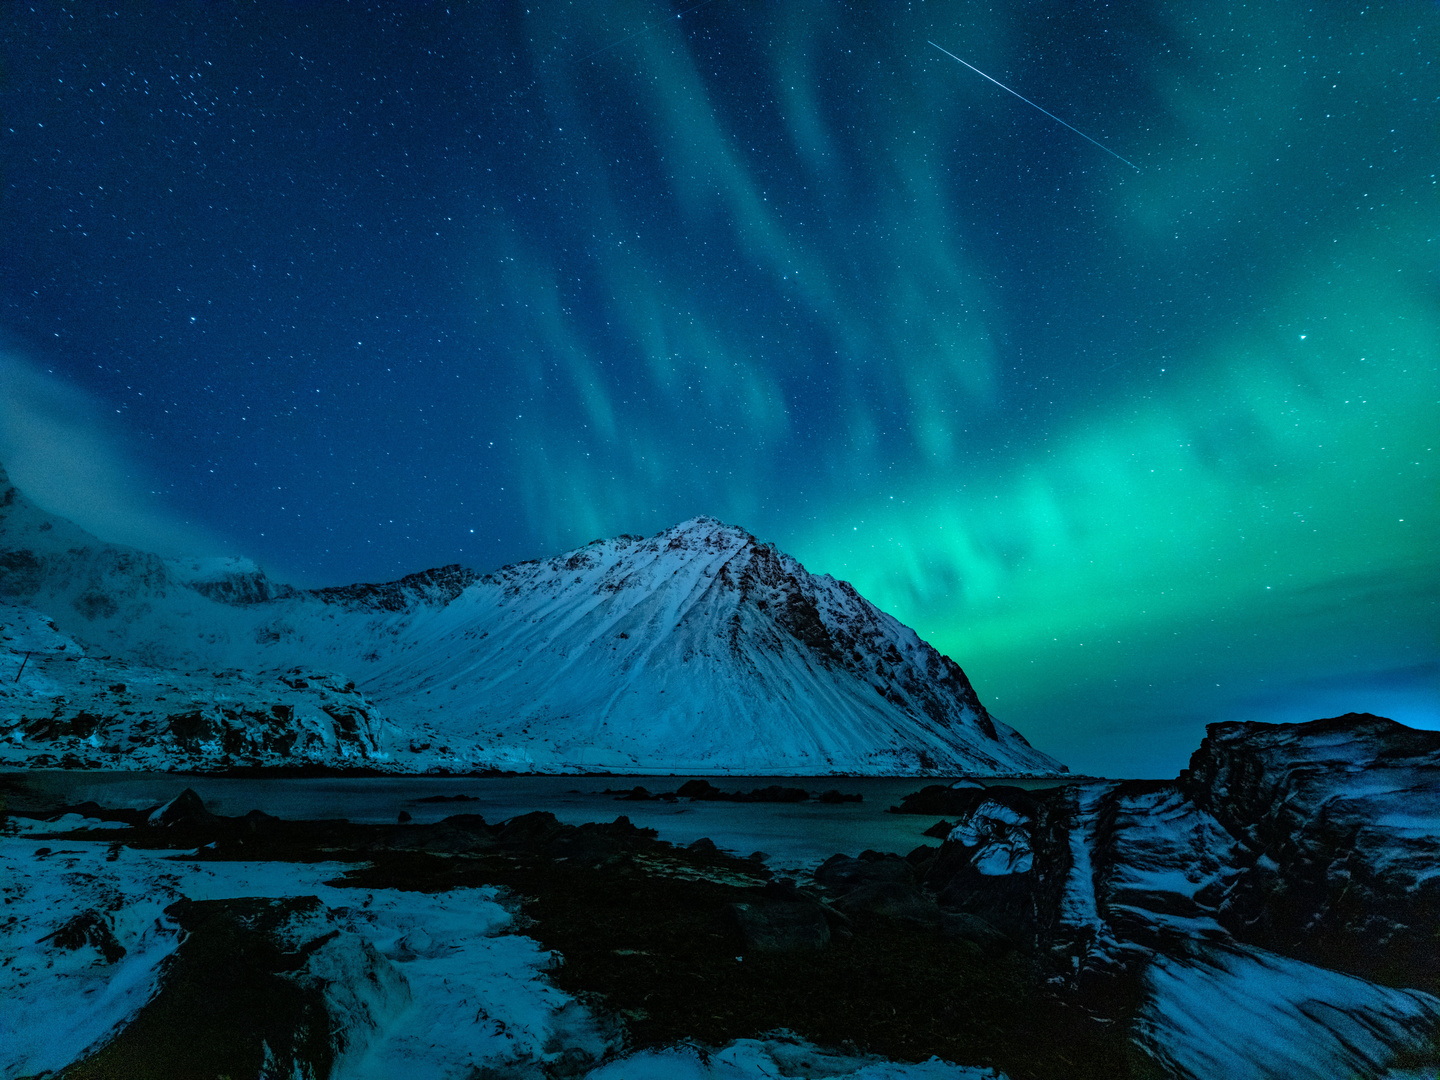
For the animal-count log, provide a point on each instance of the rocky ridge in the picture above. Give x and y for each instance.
(1291, 873)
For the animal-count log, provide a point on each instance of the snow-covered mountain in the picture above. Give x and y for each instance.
(698, 650)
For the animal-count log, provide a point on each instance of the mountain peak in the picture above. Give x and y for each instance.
(699, 649)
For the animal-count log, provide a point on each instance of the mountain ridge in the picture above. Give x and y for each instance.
(699, 649)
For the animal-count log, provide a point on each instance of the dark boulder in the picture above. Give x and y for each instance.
(901, 900)
(966, 927)
(185, 811)
(701, 790)
(772, 925)
(842, 872)
(530, 830)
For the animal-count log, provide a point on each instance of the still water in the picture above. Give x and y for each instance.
(794, 836)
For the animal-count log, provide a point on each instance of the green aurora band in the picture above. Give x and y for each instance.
(1242, 526)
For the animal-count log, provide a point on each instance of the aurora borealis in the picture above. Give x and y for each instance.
(357, 291)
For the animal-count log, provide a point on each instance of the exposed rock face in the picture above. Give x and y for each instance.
(1340, 823)
(1260, 891)
(73, 709)
(434, 587)
(698, 650)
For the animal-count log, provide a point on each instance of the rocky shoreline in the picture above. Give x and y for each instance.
(1115, 929)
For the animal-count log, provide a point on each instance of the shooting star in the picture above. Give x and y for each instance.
(1027, 101)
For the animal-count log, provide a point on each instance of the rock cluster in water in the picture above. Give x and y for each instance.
(704, 791)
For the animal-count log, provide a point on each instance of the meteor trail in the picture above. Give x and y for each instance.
(1027, 101)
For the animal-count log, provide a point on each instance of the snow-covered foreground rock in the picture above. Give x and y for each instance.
(1276, 909)
(1241, 1012)
(411, 984)
(272, 967)
(699, 650)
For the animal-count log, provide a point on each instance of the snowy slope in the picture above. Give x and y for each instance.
(698, 650)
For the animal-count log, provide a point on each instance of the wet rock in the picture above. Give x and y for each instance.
(704, 791)
(775, 793)
(781, 889)
(623, 828)
(529, 830)
(635, 794)
(876, 884)
(257, 821)
(1008, 902)
(698, 789)
(465, 834)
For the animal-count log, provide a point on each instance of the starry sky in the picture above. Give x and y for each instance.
(1140, 430)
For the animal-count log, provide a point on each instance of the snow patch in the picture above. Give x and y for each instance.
(776, 1055)
(1247, 1014)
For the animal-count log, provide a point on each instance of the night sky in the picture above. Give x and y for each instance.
(357, 290)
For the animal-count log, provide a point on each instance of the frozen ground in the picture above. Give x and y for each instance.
(457, 969)
(430, 986)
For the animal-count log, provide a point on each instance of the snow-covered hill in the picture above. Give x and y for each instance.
(698, 650)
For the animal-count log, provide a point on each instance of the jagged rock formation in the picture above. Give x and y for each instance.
(697, 650)
(1341, 820)
(1288, 882)
(62, 706)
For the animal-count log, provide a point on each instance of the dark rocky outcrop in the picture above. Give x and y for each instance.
(1339, 822)
(704, 791)
(185, 811)
(780, 925)
(88, 928)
